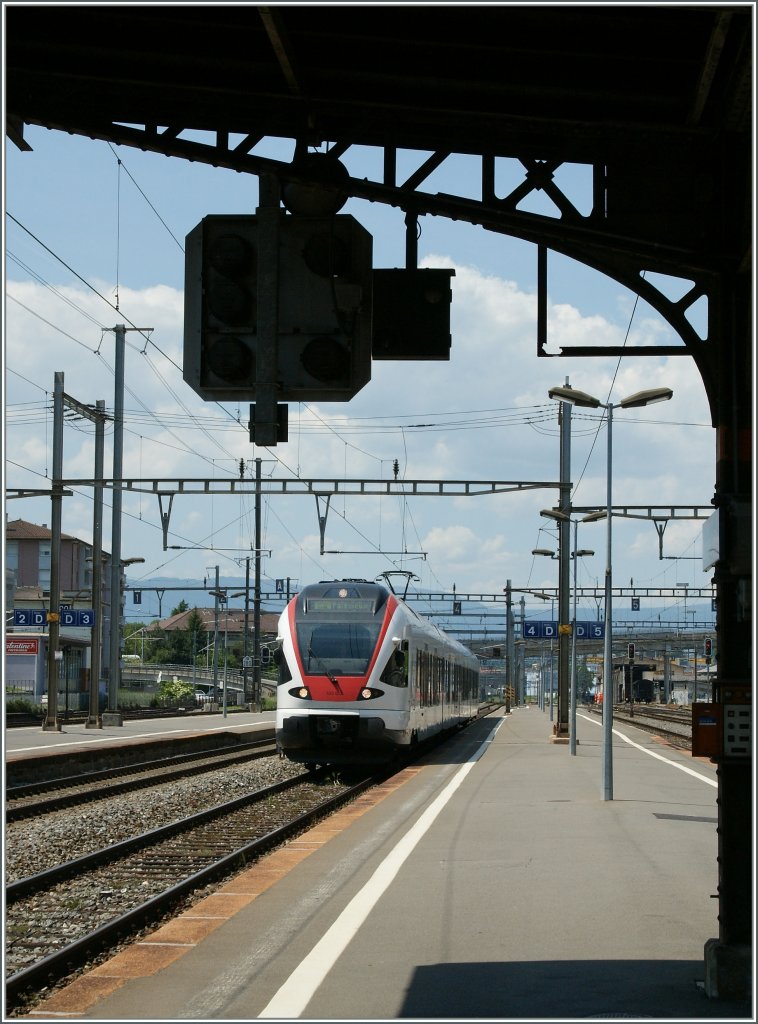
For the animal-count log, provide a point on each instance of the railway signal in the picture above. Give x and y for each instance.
(322, 346)
(707, 650)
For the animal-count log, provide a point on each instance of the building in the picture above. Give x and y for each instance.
(28, 553)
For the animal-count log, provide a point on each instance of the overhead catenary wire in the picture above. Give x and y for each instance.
(341, 429)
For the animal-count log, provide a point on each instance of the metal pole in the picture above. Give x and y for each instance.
(572, 711)
(257, 592)
(226, 652)
(522, 655)
(114, 673)
(607, 758)
(561, 727)
(246, 627)
(194, 658)
(552, 681)
(215, 641)
(93, 720)
(54, 656)
(266, 364)
(509, 645)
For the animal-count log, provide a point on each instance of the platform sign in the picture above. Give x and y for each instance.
(590, 630)
(540, 630)
(546, 630)
(79, 617)
(26, 617)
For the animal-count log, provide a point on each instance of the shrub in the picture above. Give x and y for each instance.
(17, 705)
(176, 691)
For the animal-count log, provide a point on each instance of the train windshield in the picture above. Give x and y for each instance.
(337, 625)
(337, 648)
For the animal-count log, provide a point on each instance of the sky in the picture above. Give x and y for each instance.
(94, 237)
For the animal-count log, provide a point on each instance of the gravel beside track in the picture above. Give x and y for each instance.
(89, 902)
(33, 845)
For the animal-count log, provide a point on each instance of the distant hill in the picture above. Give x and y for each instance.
(156, 598)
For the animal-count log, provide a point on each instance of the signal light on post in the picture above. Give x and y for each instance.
(707, 648)
(324, 308)
(630, 652)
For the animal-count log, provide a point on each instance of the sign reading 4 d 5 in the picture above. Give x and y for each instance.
(323, 336)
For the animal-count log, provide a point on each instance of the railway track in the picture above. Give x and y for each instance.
(73, 913)
(673, 725)
(62, 918)
(36, 798)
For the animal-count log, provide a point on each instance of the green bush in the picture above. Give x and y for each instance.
(176, 691)
(17, 705)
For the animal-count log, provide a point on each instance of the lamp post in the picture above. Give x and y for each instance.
(543, 597)
(548, 553)
(575, 555)
(637, 400)
(222, 597)
(111, 716)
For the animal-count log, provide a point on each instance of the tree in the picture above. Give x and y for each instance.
(176, 691)
(197, 632)
(181, 645)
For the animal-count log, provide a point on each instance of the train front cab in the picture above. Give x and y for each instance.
(340, 734)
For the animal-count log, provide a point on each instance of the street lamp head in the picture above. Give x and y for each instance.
(552, 513)
(582, 552)
(574, 397)
(592, 517)
(543, 551)
(648, 397)
(131, 561)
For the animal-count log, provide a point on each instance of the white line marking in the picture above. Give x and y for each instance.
(297, 991)
(85, 740)
(659, 757)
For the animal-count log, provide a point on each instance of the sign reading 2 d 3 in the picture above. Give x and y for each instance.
(323, 339)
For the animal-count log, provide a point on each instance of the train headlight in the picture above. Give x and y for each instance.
(368, 693)
(301, 692)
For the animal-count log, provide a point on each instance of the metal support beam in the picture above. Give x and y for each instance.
(54, 656)
(561, 726)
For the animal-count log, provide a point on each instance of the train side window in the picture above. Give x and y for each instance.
(283, 670)
(395, 672)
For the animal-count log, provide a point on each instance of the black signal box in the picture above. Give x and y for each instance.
(411, 314)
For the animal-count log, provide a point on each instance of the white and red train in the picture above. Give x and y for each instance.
(362, 676)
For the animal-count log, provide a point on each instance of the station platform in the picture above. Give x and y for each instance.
(32, 749)
(490, 881)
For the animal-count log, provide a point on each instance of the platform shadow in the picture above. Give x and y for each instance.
(567, 989)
